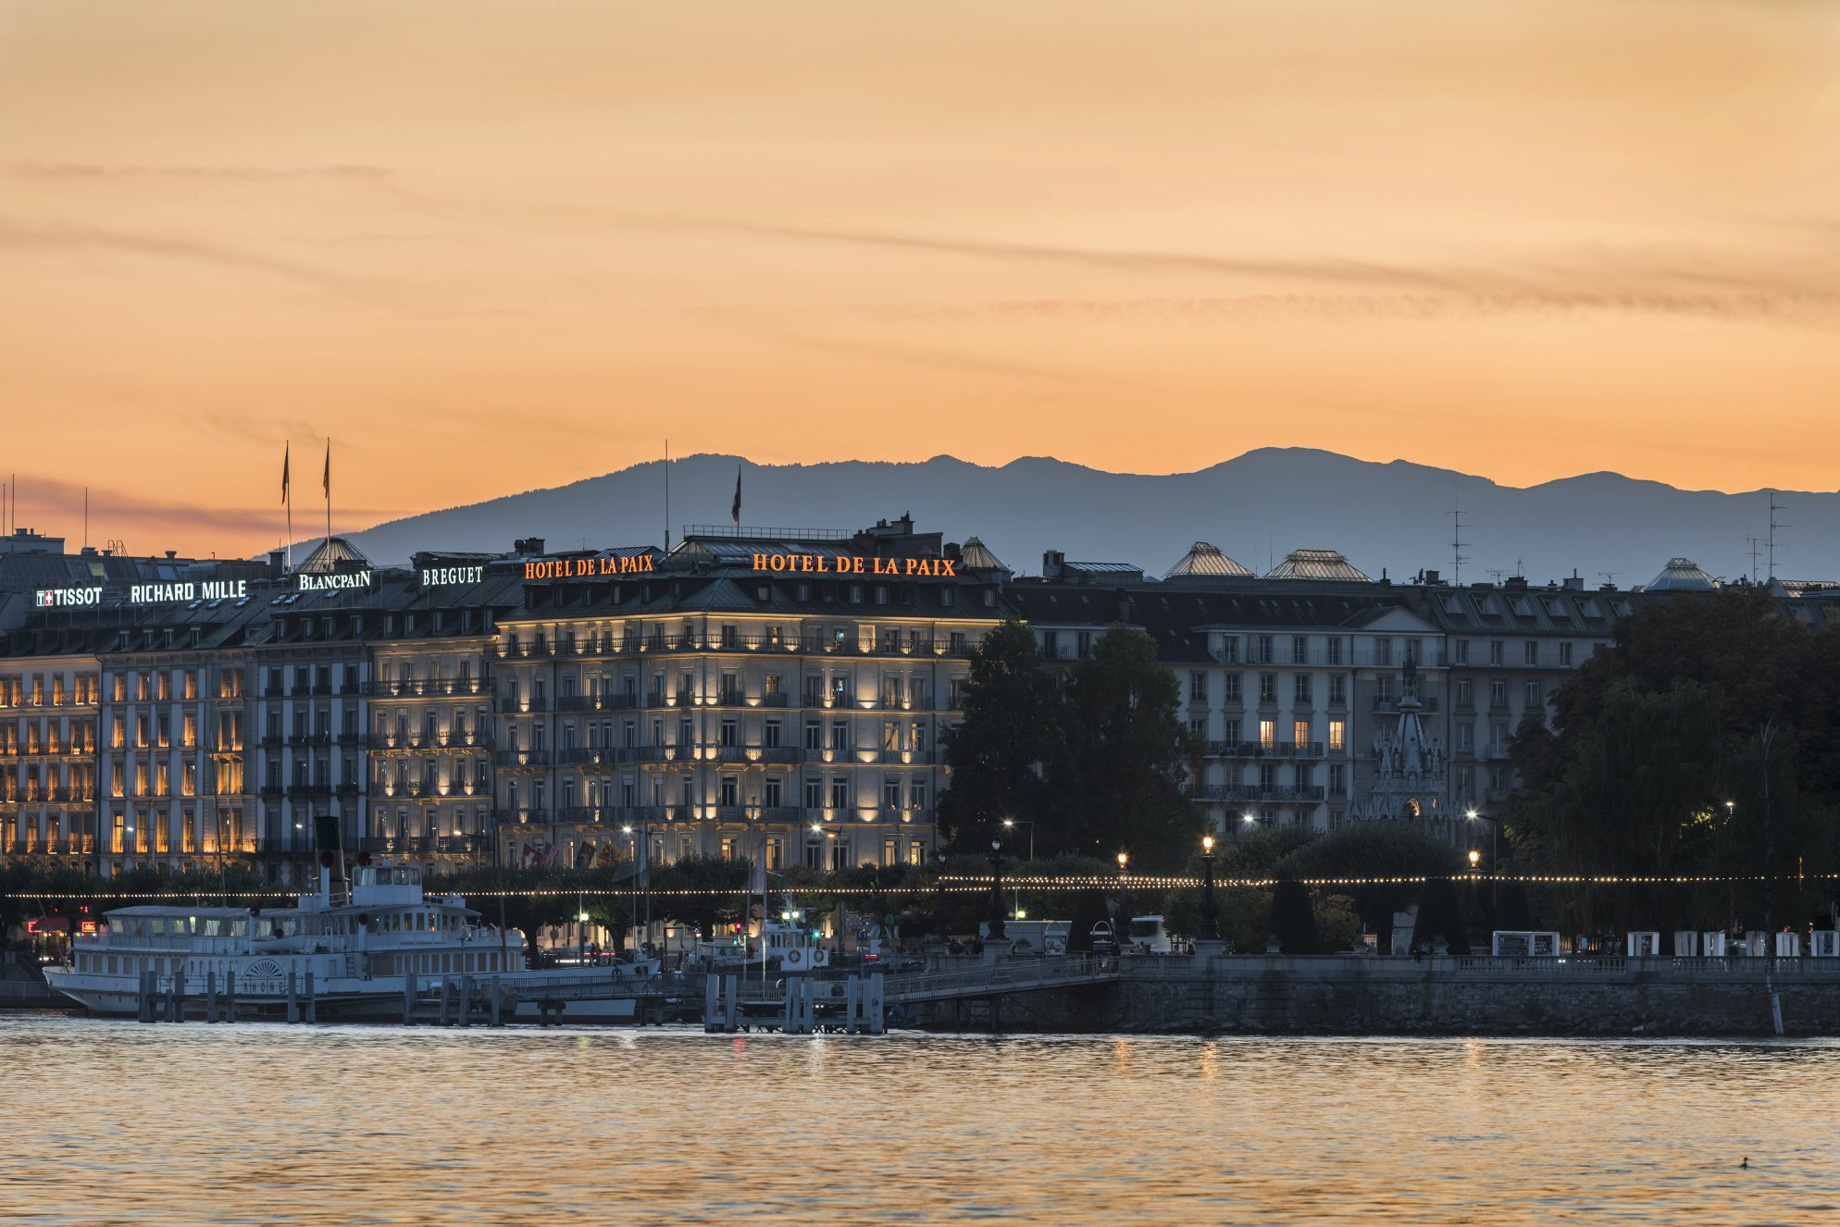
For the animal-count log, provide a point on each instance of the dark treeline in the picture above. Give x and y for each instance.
(1092, 763)
(1705, 741)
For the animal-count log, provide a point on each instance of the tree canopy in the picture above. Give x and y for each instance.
(1704, 741)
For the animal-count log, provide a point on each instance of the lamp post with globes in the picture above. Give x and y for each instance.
(1210, 911)
(1123, 927)
(1009, 824)
(997, 931)
(942, 920)
(1494, 857)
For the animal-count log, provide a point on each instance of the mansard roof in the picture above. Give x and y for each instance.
(1317, 565)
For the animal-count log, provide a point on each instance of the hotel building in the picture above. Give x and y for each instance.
(770, 694)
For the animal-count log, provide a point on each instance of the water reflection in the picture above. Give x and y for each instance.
(273, 1124)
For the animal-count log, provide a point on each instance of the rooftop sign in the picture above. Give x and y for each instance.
(170, 593)
(589, 568)
(438, 577)
(856, 564)
(67, 598)
(331, 581)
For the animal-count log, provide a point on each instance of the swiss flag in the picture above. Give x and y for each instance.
(736, 511)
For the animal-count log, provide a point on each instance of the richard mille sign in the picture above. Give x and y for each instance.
(145, 594)
(191, 590)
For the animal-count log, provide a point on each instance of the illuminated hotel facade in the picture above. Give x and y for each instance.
(774, 695)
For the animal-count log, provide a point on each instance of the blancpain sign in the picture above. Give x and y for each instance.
(435, 577)
(67, 598)
(337, 580)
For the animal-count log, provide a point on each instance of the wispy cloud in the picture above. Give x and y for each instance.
(66, 238)
(96, 171)
(1788, 289)
(1788, 307)
(135, 519)
(932, 359)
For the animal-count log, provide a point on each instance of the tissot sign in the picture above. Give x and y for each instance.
(67, 598)
(144, 594)
(856, 564)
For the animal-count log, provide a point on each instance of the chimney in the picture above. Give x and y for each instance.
(1051, 561)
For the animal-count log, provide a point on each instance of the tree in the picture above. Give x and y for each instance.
(1293, 919)
(713, 888)
(1120, 779)
(1374, 850)
(1440, 914)
(1705, 741)
(1011, 726)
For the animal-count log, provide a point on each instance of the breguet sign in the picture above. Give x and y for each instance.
(440, 577)
(856, 564)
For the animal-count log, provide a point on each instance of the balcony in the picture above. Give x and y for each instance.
(593, 814)
(520, 758)
(1253, 794)
(1255, 749)
(1389, 704)
(422, 688)
(600, 702)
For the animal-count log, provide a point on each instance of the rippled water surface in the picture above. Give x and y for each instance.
(116, 1122)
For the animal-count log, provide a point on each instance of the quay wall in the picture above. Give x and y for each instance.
(1273, 995)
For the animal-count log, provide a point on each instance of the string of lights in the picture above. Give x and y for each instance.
(971, 884)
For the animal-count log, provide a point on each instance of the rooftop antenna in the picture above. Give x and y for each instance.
(1609, 577)
(1774, 525)
(1457, 556)
(1497, 572)
(667, 496)
(86, 517)
(1753, 542)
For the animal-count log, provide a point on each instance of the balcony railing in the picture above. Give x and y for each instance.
(520, 758)
(1258, 749)
(1254, 794)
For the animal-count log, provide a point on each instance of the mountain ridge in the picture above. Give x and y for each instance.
(1386, 516)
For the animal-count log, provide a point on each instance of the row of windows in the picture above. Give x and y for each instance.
(1302, 687)
(819, 792)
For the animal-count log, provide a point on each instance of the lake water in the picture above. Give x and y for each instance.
(116, 1122)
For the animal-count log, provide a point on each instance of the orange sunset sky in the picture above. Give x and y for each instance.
(488, 245)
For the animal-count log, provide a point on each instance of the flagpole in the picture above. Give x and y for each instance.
(327, 480)
(287, 497)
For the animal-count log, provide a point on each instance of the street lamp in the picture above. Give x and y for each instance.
(1494, 858)
(1250, 817)
(1210, 911)
(1124, 912)
(997, 932)
(1010, 824)
(942, 922)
